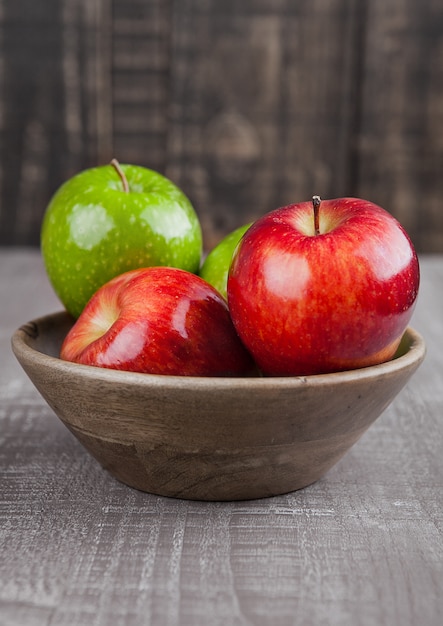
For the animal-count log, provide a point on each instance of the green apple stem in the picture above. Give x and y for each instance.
(116, 165)
(316, 202)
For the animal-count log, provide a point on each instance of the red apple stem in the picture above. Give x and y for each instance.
(116, 165)
(316, 202)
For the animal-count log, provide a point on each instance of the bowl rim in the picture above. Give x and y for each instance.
(27, 354)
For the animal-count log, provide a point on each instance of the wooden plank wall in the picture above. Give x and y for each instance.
(246, 105)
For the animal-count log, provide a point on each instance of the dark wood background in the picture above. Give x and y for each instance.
(247, 105)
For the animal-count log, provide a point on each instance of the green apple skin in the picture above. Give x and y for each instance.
(94, 230)
(216, 266)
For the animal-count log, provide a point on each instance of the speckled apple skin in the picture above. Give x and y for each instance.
(306, 303)
(93, 230)
(158, 320)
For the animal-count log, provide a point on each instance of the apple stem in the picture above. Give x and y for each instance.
(116, 165)
(316, 202)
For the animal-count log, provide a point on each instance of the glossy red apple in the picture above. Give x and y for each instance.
(319, 287)
(158, 320)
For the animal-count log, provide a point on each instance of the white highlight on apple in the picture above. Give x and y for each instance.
(393, 254)
(166, 221)
(179, 318)
(89, 224)
(278, 266)
(129, 342)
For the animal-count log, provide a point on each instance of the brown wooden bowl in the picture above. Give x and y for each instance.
(211, 438)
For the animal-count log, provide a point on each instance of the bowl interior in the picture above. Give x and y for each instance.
(43, 338)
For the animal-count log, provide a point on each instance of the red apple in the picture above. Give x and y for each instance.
(158, 320)
(323, 286)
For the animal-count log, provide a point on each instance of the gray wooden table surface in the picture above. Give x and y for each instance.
(363, 546)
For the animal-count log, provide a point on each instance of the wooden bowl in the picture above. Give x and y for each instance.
(211, 438)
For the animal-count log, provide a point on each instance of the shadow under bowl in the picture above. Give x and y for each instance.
(211, 438)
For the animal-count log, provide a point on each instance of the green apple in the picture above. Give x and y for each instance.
(113, 218)
(216, 266)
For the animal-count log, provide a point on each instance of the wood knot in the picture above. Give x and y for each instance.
(232, 148)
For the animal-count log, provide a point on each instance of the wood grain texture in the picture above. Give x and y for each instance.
(363, 546)
(400, 149)
(212, 439)
(140, 81)
(273, 98)
(247, 105)
(56, 115)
